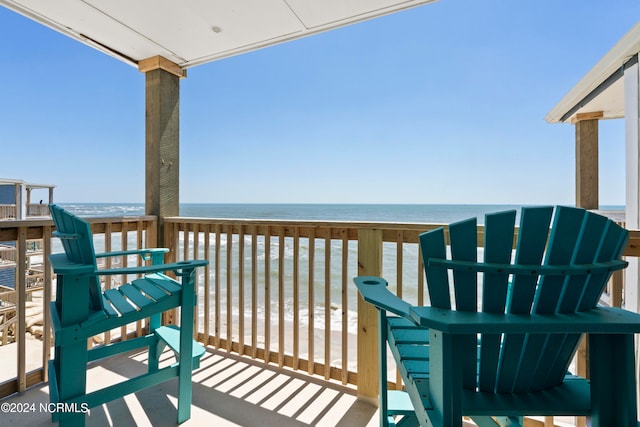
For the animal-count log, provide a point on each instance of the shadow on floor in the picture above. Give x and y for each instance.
(228, 390)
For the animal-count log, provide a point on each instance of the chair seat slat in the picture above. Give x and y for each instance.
(119, 302)
(107, 308)
(150, 289)
(164, 282)
(135, 295)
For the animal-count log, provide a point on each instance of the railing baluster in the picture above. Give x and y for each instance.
(124, 245)
(241, 291)
(345, 306)
(281, 267)
(311, 305)
(107, 265)
(267, 295)
(327, 306)
(420, 275)
(296, 297)
(139, 244)
(229, 287)
(21, 287)
(207, 283)
(254, 291)
(196, 280)
(46, 310)
(399, 283)
(217, 286)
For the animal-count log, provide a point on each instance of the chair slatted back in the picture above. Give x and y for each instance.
(77, 242)
(518, 363)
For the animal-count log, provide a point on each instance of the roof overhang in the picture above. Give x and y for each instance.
(5, 181)
(600, 93)
(195, 32)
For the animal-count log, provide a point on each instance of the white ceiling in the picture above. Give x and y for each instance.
(602, 88)
(194, 32)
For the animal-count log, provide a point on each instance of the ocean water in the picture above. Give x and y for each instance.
(431, 213)
(321, 212)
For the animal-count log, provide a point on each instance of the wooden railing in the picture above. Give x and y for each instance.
(37, 209)
(279, 291)
(8, 211)
(111, 234)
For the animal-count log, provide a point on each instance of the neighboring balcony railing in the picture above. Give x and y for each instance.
(8, 211)
(38, 209)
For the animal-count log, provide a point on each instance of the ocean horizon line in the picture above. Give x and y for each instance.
(606, 206)
(348, 212)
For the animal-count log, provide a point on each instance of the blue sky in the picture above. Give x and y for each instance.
(440, 104)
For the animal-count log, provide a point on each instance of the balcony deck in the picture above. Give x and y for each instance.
(228, 390)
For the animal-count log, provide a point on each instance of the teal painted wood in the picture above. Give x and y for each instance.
(463, 242)
(82, 310)
(532, 238)
(498, 244)
(528, 329)
(432, 246)
(615, 240)
(591, 244)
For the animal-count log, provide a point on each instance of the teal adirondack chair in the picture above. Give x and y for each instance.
(504, 352)
(82, 309)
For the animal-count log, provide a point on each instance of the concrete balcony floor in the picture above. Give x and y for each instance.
(228, 390)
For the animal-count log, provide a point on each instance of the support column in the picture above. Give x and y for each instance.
(587, 160)
(162, 139)
(632, 155)
(632, 173)
(369, 264)
(586, 197)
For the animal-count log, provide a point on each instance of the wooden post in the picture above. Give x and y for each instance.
(162, 138)
(162, 158)
(587, 160)
(369, 264)
(587, 198)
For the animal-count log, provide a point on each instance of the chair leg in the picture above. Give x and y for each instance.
(446, 378)
(186, 349)
(612, 376)
(71, 367)
(383, 405)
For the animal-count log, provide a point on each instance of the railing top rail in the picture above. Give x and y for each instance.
(40, 222)
(306, 223)
(633, 248)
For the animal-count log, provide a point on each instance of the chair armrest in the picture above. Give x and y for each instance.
(374, 291)
(549, 270)
(178, 267)
(61, 265)
(146, 254)
(600, 320)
